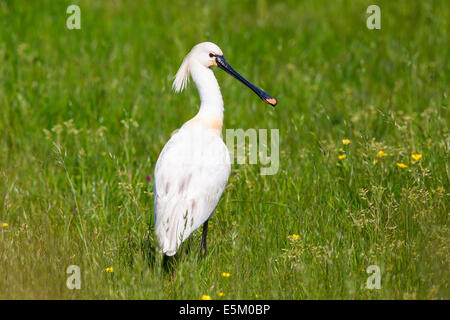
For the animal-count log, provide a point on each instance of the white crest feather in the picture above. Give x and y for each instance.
(182, 76)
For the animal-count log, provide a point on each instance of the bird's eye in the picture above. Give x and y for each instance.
(211, 55)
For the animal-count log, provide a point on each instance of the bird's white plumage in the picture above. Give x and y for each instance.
(190, 177)
(193, 168)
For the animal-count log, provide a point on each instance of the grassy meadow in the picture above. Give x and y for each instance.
(364, 149)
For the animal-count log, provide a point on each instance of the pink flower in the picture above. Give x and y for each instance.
(148, 178)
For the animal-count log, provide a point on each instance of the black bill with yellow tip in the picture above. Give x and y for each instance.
(223, 64)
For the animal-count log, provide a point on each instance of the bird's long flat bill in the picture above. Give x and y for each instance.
(223, 64)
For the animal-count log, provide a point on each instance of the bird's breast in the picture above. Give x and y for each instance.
(213, 124)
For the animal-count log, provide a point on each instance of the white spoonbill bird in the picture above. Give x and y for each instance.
(193, 168)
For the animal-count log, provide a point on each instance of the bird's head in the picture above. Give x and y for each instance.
(208, 55)
(205, 53)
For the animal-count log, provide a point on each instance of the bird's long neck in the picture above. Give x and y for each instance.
(211, 106)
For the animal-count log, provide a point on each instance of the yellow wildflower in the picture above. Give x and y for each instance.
(346, 142)
(206, 297)
(294, 236)
(416, 156)
(401, 165)
(226, 274)
(109, 269)
(4, 224)
(381, 154)
(221, 294)
(342, 156)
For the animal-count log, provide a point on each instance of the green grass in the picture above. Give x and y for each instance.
(85, 113)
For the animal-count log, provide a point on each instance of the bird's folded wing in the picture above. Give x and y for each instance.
(190, 177)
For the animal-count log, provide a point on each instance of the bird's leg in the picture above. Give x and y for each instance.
(204, 234)
(167, 262)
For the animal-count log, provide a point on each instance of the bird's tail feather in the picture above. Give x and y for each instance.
(172, 229)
